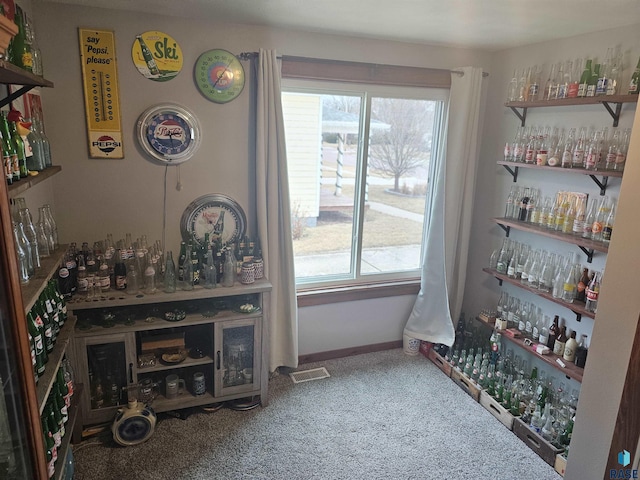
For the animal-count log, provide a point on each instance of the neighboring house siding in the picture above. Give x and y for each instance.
(302, 119)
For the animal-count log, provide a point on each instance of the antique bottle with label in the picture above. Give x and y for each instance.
(560, 343)
(570, 348)
(554, 331)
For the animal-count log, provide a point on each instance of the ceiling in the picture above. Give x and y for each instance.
(485, 24)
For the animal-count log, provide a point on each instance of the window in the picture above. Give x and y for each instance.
(359, 161)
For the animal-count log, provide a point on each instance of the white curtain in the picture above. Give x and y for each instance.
(448, 216)
(273, 213)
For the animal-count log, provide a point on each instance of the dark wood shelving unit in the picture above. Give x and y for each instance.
(570, 370)
(587, 245)
(577, 308)
(520, 108)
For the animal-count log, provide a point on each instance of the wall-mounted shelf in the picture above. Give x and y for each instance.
(577, 308)
(12, 75)
(513, 167)
(588, 246)
(25, 184)
(570, 369)
(612, 103)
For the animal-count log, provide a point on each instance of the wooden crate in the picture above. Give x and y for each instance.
(535, 442)
(440, 362)
(561, 464)
(466, 384)
(497, 410)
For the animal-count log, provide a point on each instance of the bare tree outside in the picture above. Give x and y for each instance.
(404, 147)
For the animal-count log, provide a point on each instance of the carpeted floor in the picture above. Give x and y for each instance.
(383, 415)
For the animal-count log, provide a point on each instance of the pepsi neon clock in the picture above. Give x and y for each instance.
(169, 133)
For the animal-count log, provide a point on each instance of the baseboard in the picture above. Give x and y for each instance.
(347, 352)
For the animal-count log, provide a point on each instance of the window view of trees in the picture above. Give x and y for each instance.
(348, 225)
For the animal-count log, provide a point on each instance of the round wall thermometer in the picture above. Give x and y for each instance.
(169, 133)
(219, 75)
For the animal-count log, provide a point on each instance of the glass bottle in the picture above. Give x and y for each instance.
(551, 87)
(560, 343)
(578, 221)
(579, 149)
(621, 152)
(593, 153)
(37, 160)
(170, 277)
(570, 348)
(604, 210)
(594, 206)
(513, 262)
(39, 125)
(593, 81)
(582, 285)
(119, 272)
(512, 90)
(581, 352)
(543, 339)
(612, 149)
(567, 151)
(32, 236)
(569, 218)
(21, 50)
(229, 269)
(574, 83)
(530, 149)
(132, 277)
(593, 291)
(149, 275)
(547, 431)
(634, 82)
(554, 331)
(607, 228)
(503, 258)
(584, 79)
(210, 270)
(25, 152)
(187, 272)
(570, 283)
(547, 272)
(46, 230)
(603, 76)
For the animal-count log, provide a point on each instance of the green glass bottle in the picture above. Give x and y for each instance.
(634, 83)
(584, 79)
(47, 325)
(21, 50)
(50, 448)
(19, 168)
(54, 426)
(38, 344)
(37, 319)
(9, 151)
(593, 81)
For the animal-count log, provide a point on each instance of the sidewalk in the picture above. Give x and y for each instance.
(374, 260)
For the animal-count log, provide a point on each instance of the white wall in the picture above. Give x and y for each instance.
(95, 197)
(617, 316)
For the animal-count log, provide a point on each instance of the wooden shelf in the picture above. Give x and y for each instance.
(25, 184)
(48, 267)
(604, 100)
(577, 308)
(10, 74)
(587, 245)
(55, 359)
(121, 299)
(570, 370)
(185, 400)
(188, 362)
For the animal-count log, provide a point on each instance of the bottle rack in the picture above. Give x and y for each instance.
(520, 108)
(576, 308)
(570, 370)
(513, 167)
(587, 245)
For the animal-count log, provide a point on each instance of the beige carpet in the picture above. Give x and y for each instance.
(379, 416)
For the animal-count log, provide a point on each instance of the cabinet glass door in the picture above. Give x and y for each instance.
(107, 369)
(237, 365)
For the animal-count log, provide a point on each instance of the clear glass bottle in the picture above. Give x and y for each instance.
(210, 271)
(621, 153)
(551, 87)
(603, 212)
(149, 275)
(187, 272)
(567, 151)
(44, 245)
(229, 270)
(23, 269)
(54, 227)
(593, 291)
(170, 277)
(48, 228)
(612, 149)
(26, 247)
(32, 236)
(579, 149)
(607, 228)
(569, 286)
(512, 90)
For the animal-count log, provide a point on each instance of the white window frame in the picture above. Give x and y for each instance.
(366, 92)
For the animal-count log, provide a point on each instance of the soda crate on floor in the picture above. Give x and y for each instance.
(466, 384)
(497, 410)
(561, 464)
(440, 362)
(535, 442)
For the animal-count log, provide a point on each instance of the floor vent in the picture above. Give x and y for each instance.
(308, 375)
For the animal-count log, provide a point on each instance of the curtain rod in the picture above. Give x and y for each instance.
(251, 55)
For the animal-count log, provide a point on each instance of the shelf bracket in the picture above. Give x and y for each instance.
(614, 114)
(602, 184)
(578, 317)
(587, 252)
(522, 116)
(513, 172)
(12, 96)
(506, 228)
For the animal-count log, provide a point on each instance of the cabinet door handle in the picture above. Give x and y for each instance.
(131, 373)
(218, 360)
